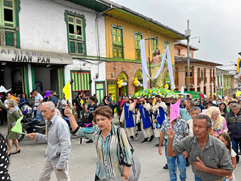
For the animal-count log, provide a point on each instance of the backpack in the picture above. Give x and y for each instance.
(135, 169)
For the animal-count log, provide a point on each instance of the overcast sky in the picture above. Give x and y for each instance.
(217, 22)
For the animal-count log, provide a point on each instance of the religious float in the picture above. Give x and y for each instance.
(159, 64)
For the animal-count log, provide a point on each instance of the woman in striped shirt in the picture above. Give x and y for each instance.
(105, 137)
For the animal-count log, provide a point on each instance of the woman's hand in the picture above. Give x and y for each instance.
(68, 112)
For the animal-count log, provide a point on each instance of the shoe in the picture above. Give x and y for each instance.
(157, 145)
(151, 138)
(14, 153)
(136, 136)
(139, 130)
(9, 155)
(90, 141)
(166, 166)
(145, 140)
(132, 138)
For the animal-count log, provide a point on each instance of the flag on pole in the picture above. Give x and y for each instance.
(18, 126)
(238, 65)
(175, 110)
(66, 91)
(153, 101)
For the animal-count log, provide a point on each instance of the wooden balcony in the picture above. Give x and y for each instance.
(191, 80)
(8, 37)
(205, 80)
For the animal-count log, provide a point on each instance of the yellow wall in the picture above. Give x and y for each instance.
(129, 40)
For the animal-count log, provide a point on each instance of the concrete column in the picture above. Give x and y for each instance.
(7, 73)
(30, 82)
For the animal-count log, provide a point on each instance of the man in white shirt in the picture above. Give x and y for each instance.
(37, 105)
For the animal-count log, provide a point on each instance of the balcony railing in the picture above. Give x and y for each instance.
(8, 37)
(178, 54)
(77, 47)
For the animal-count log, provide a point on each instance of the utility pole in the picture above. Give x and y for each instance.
(149, 56)
(188, 34)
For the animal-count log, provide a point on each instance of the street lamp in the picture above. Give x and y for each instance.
(188, 35)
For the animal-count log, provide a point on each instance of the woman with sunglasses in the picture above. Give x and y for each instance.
(219, 124)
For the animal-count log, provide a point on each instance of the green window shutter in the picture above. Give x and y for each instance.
(8, 23)
(9, 38)
(154, 43)
(138, 37)
(117, 42)
(80, 47)
(76, 35)
(72, 47)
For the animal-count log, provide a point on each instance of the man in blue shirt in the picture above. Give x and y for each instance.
(54, 98)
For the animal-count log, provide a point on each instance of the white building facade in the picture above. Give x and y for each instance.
(48, 43)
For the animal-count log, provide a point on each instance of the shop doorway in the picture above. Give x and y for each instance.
(100, 91)
(48, 78)
(123, 90)
(12, 78)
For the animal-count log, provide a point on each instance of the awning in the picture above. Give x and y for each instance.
(34, 56)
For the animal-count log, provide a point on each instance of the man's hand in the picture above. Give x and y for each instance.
(125, 177)
(32, 136)
(155, 120)
(67, 111)
(170, 133)
(179, 117)
(185, 154)
(59, 170)
(199, 165)
(160, 150)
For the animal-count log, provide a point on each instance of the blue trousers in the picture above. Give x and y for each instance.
(174, 162)
(197, 179)
(236, 142)
(39, 115)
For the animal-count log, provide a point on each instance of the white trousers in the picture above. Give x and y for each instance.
(130, 132)
(147, 132)
(49, 167)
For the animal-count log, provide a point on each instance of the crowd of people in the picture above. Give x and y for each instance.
(206, 134)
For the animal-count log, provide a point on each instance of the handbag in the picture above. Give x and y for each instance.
(135, 169)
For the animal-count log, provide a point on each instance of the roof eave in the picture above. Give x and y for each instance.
(117, 6)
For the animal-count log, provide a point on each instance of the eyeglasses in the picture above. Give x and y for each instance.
(216, 114)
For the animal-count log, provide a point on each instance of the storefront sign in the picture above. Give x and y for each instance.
(33, 56)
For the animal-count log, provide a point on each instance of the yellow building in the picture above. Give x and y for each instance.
(123, 29)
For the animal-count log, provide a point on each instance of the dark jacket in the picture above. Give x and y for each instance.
(78, 104)
(234, 124)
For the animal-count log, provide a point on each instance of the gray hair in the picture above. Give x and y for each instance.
(11, 103)
(195, 108)
(234, 106)
(49, 104)
(202, 116)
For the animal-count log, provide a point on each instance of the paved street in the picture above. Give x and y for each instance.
(27, 165)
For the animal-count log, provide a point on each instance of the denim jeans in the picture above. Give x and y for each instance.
(39, 115)
(197, 179)
(174, 162)
(236, 142)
